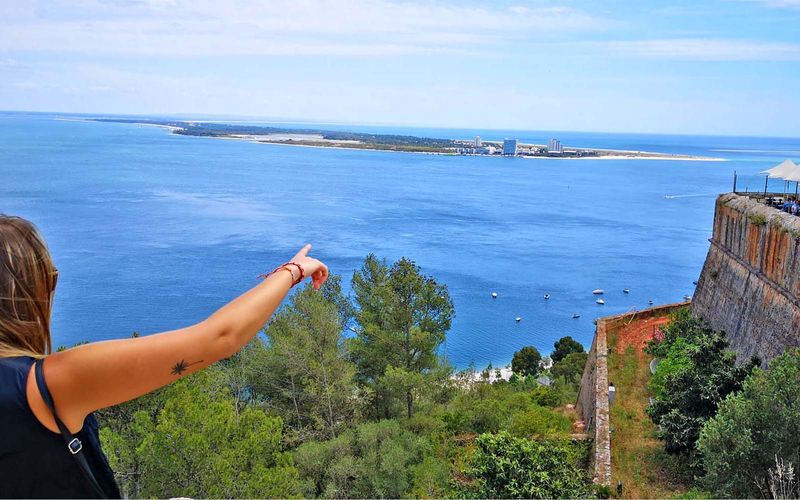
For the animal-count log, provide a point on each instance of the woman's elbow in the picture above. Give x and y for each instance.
(222, 339)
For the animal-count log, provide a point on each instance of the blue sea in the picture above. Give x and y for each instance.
(153, 231)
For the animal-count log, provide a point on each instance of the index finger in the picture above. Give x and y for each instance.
(304, 251)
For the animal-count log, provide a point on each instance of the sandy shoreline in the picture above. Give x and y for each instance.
(168, 127)
(171, 128)
(632, 156)
(644, 156)
(621, 154)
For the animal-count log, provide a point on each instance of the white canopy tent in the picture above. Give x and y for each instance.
(781, 171)
(794, 175)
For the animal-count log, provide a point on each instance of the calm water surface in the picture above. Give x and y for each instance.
(153, 231)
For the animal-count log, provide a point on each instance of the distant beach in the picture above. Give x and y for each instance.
(391, 142)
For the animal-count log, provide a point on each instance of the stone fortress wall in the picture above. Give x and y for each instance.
(750, 284)
(749, 288)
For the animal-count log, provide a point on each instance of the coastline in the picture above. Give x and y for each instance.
(318, 139)
(171, 128)
(645, 156)
(633, 156)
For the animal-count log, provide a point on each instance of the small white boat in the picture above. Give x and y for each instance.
(599, 291)
(518, 319)
(546, 296)
(626, 290)
(687, 297)
(576, 316)
(600, 301)
(650, 302)
(494, 295)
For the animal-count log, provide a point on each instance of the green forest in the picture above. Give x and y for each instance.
(349, 397)
(733, 425)
(380, 141)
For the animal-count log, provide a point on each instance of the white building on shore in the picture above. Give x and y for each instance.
(554, 147)
(510, 147)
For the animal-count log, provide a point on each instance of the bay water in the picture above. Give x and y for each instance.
(153, 231)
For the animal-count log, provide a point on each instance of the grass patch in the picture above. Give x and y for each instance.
(638, 458)
(757, 219)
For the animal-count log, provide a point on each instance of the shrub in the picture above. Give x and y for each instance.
(504, 466)
(752, 430)
(545, 396)
(682, 325)
(698, 373)
(602, 491)
(675, 361)
(373, 460)
(695, 494)
(538, 422)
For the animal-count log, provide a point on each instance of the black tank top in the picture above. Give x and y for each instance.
(34, 461)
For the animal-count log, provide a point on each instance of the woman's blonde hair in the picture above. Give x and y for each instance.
(27, 282)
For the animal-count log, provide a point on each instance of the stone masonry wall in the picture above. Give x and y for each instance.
(586, 394)
(750, 284)
(592, 404)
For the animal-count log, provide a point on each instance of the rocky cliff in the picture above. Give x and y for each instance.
(750, 284)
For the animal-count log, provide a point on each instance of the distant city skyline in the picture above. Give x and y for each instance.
(724, 67)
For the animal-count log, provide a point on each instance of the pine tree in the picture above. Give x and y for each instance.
(306, 376)
(402, 319)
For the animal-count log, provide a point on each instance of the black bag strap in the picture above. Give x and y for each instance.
(74, 445)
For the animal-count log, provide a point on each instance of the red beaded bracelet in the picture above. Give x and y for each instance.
(282, 267)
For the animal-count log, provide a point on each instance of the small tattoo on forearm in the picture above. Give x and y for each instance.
(181, 366)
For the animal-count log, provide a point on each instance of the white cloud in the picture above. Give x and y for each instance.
(327, 27)
(704, 49)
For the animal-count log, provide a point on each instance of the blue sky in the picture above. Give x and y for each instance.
(713, 67)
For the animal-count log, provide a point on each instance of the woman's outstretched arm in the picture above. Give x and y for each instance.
(101, 374)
